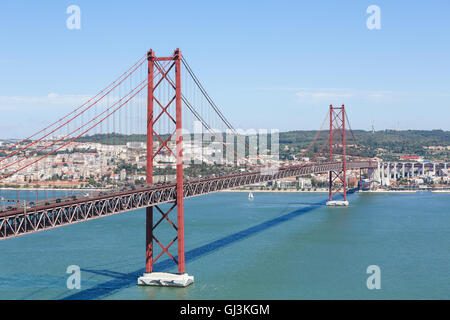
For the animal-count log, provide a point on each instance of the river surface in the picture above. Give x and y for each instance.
(278, 246)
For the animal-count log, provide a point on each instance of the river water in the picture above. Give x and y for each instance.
(278, 246)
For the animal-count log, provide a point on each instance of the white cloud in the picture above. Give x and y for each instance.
(52, 99)
(6, 61)
(321, 96)
(44, 103)
(52, 95)
(344, 95)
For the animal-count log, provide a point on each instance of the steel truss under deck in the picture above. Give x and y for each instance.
(20, 222)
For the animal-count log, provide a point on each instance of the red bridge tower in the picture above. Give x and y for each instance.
(337, 143)
(164, 66)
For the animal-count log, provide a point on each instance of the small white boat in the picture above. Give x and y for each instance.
(250, 196)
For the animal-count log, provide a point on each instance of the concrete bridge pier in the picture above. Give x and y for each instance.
(388, 175)
(395, 171)
(372, 175)
(377, 174)
(380, 173)
(388, 172)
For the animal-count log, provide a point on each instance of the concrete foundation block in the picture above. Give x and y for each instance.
(164, 279)
(337, 203)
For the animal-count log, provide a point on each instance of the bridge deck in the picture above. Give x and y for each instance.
(22, 221)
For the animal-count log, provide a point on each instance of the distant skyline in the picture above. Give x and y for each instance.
(267, 64)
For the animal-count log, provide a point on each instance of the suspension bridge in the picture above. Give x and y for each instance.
(159, 104)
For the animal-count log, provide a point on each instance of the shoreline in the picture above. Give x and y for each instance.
(389, 191)
(326, 191)
(231, 190)
(273, 191)
(51, 189)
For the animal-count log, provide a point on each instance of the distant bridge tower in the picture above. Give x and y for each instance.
(165, 110)
(337, 142)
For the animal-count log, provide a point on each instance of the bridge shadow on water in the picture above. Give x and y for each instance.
(123, 280)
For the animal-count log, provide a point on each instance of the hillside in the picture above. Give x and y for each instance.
(389, 144)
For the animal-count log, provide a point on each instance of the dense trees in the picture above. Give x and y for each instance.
(389, 143)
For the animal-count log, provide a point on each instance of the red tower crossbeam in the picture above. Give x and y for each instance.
(174, 62)
(337, 128)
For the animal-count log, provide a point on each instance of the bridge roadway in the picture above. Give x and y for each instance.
(28, 220)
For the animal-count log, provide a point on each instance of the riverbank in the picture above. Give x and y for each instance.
(405, 191)
(276, 191)
(52, 189)
(326, 191)
(231, 190)
(388, 191)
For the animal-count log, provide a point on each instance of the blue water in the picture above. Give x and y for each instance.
(278, 246)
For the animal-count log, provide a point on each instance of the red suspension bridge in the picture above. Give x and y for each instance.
(161, 99)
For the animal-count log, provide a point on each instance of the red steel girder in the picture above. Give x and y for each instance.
(337, 125)
(151, 133)
(57, 215)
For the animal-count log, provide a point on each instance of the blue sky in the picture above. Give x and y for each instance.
(267, 64)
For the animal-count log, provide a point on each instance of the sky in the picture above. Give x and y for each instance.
(266, 64)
